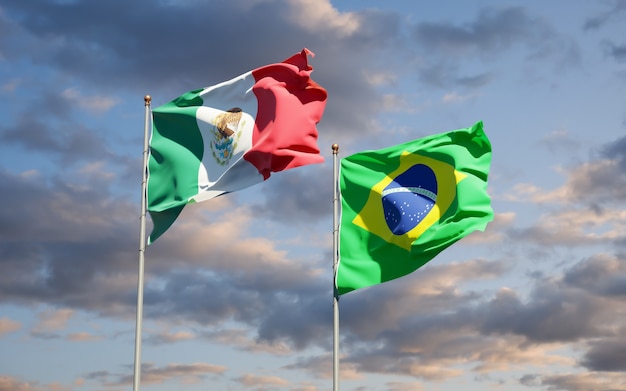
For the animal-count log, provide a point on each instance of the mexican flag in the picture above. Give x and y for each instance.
(232, 135)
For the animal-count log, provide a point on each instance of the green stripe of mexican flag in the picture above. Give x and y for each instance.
(232, 135)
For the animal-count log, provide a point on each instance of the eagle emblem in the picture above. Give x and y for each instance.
(226, 134)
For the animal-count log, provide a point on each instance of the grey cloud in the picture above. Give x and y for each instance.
(529, 380)
(152, 373)
(558, 310)
(541, 236)
(600, 275)
(443, 74)
(616, 51)
(601, 19)
(606, 355)
(560, 141)
(303, 319)
(554, 314)
(475, 81)
(83, 242)
(300, 195)
(599, 185)
(298, 316)
(582, 382)
(61, 243)
(145, 46)
(70, 141)
(616, 150)
(53, 209)
(56, 128)
(147, 42)
(494, 32)
(390, 299)
(43, 335)
(297, 312)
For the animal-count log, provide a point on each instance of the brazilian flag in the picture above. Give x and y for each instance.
(403, 205)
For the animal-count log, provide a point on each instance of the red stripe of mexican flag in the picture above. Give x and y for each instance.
(232, 135)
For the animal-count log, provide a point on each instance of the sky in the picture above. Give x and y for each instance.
(238, 292)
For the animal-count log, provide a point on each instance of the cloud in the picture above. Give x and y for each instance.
(240, 339)
(598, 21)
(10, 86)
(583, 381)
(602, 275)
(616, 151)
(574, 227)
(321, 366)
(454, 97)
(560, 140)
(615, 51)
(298, 196)
(96, 104)
(250, 380)
(493, 29)
(554, 314)
(169, 337)
(596, 183)
(74, 40)
(82, 221)
(404, 386)
(83, 337)
(46, 221)
(8, 325)
(495, 231)
(53, 320)
(153, 374)
(310, 14)
(496, 31)
(9, 383)
(491, 334)
(194, 372)
(252, 283)
(607, 355)
(70, 141)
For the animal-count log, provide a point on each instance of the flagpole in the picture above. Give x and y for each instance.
(335, 148)
(142, 247)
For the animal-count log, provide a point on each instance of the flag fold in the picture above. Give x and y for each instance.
(401, 206)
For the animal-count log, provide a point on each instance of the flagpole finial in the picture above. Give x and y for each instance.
(335, 148)
(147, 99)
